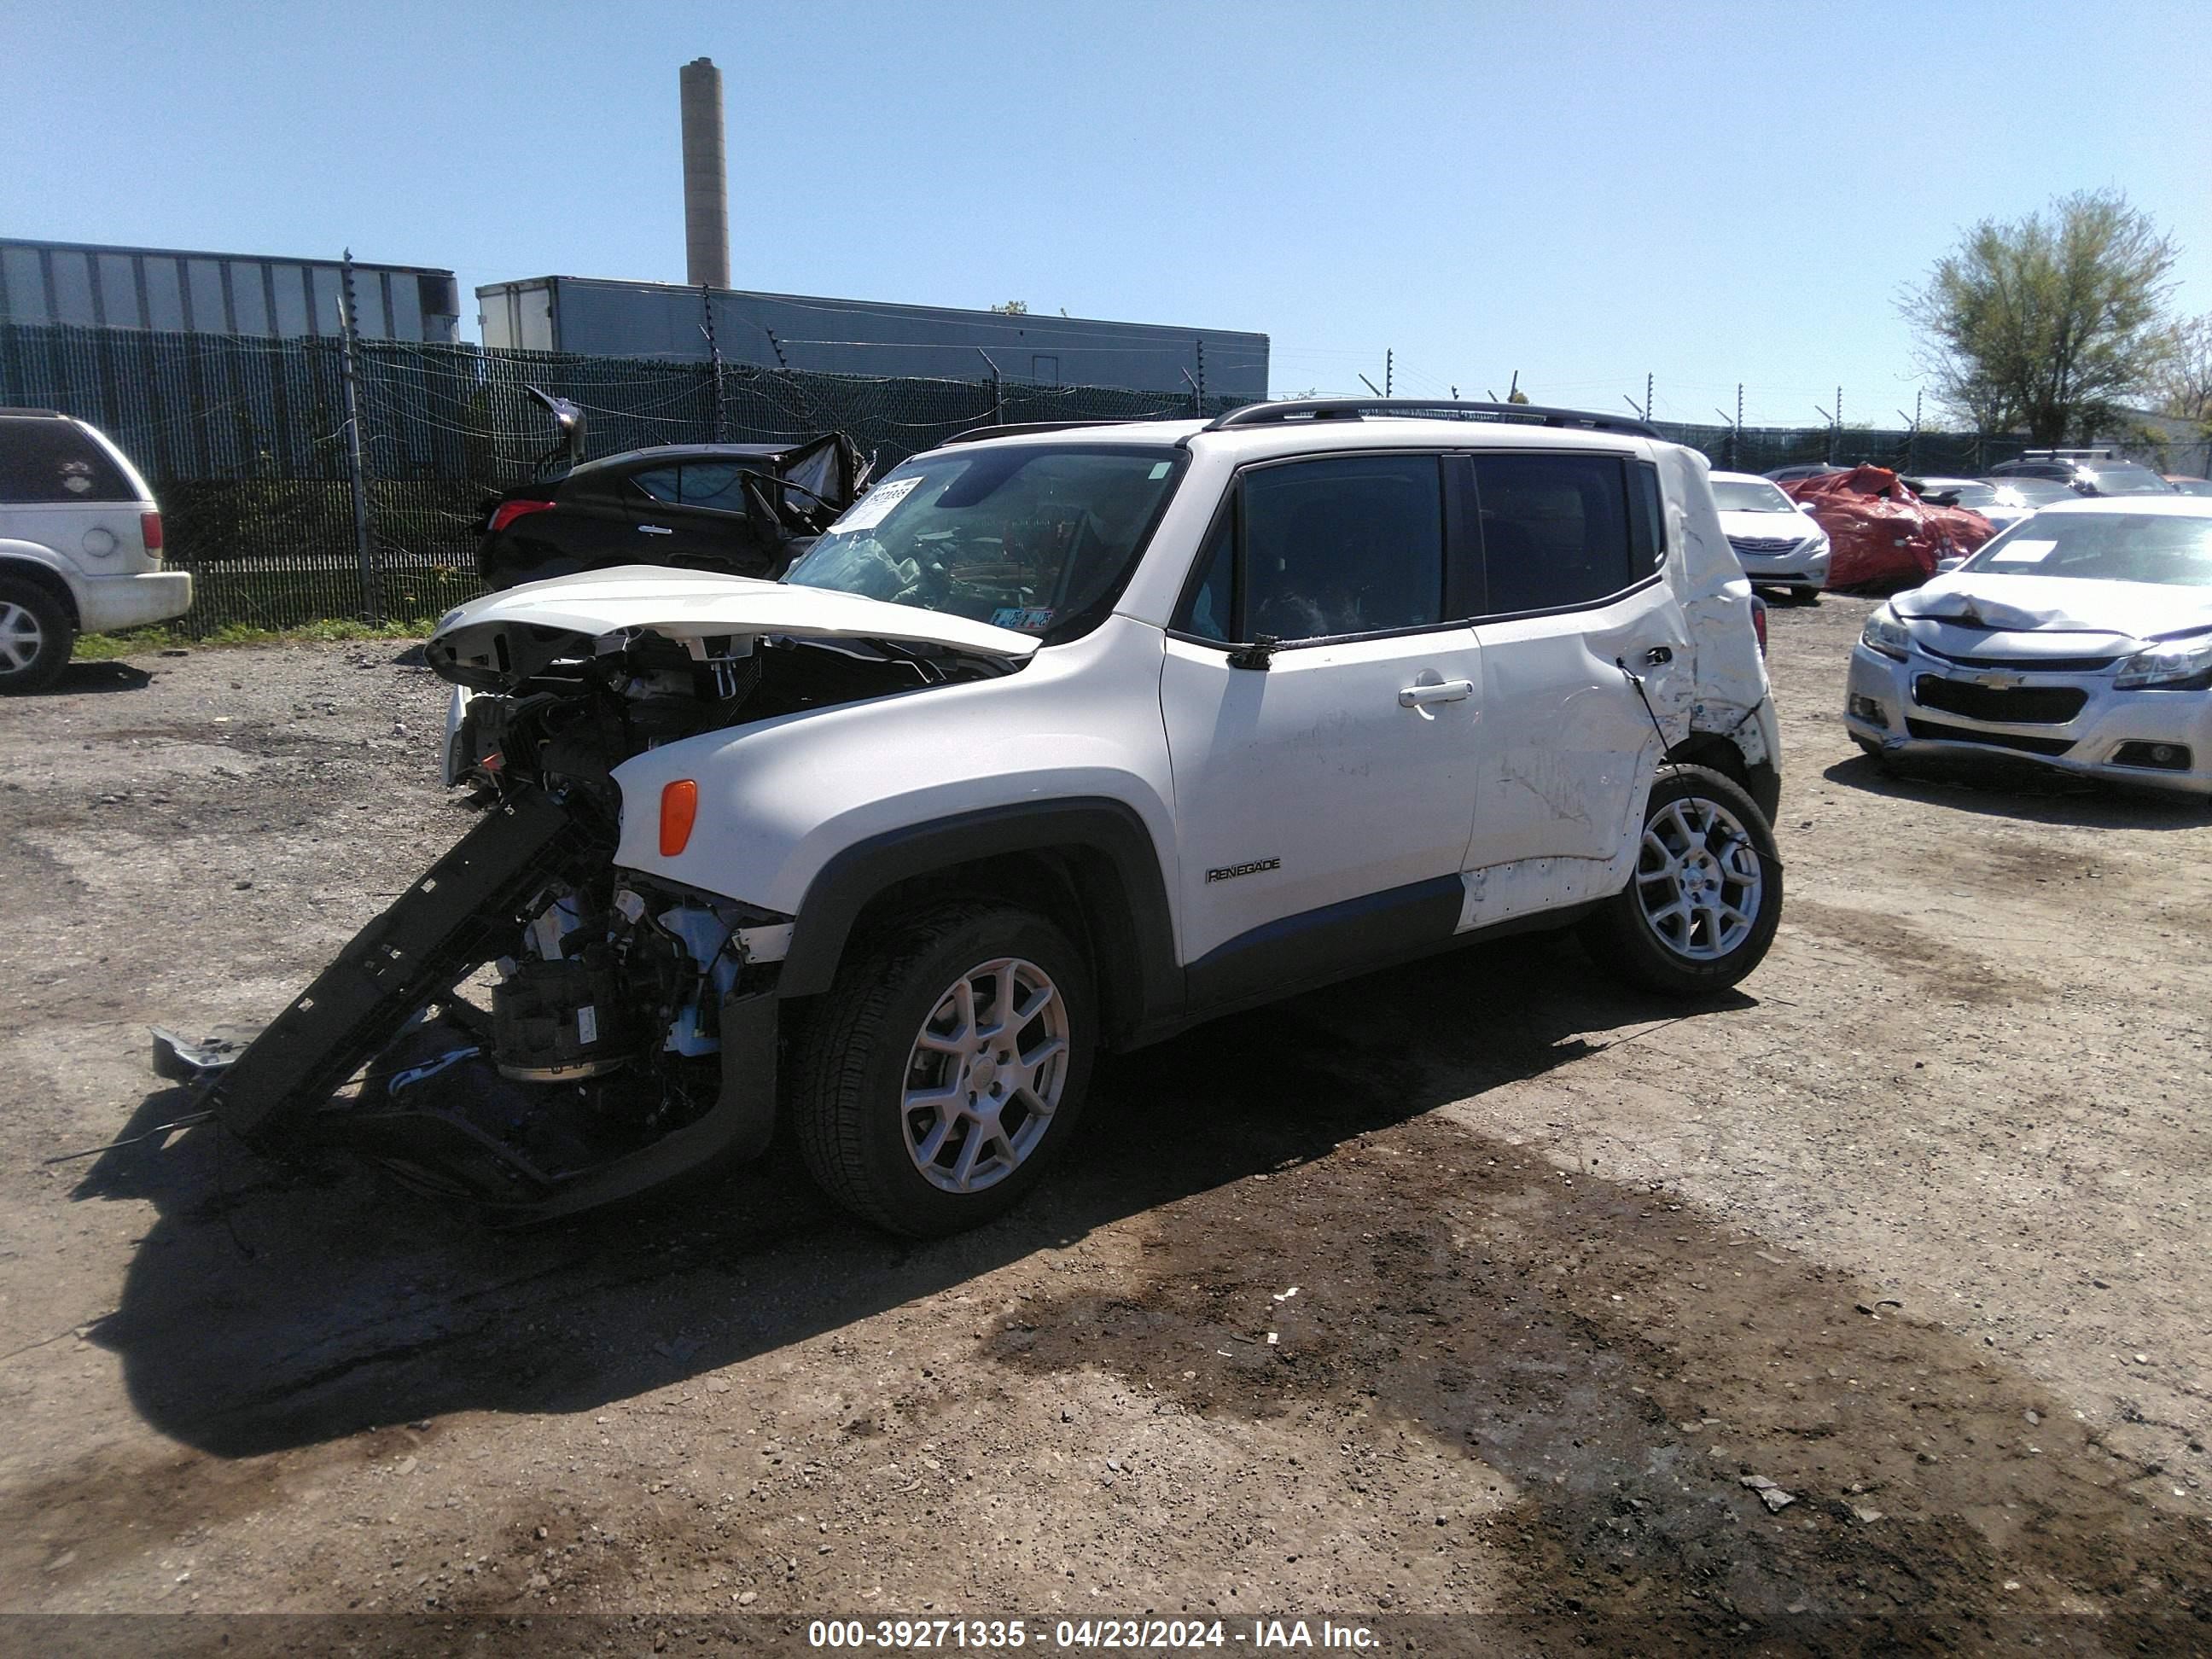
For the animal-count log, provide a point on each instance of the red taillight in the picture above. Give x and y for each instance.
(679, 810)
(507, 512)
(1759, 624)
(149, 527)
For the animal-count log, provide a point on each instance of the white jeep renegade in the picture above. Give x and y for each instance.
(1061, 739)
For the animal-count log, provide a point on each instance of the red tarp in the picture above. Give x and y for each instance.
(1883, 535)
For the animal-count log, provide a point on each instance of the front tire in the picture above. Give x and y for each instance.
(1702, 907)
(943, 1071)
(36, 637)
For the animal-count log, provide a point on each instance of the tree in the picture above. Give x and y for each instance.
(2048, 321)
(2184, 384)
(1013, 308)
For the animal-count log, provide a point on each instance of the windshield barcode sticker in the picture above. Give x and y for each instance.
(872, 508)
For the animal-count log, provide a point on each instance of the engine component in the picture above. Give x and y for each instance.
(553, 1021)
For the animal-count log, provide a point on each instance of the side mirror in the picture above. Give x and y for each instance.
(1945, 567)
(1806, 507)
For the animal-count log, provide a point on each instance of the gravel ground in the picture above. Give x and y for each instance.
(1481, 1290)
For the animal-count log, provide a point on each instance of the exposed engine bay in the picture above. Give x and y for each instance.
(531, 1026)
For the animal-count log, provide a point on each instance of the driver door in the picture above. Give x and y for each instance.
(1323, 800)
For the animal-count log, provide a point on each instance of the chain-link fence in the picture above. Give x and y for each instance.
(246, 441)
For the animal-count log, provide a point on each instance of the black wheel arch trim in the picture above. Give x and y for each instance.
(44, 578)
(855, 878)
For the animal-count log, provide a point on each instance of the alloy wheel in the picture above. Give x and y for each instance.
(1699, 878)
(20, 637)
(985, 1075)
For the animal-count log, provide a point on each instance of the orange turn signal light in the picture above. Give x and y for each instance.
(679, 811)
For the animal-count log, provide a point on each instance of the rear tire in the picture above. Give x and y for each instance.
(36, 637)
(918, 1105)
(1702, 907)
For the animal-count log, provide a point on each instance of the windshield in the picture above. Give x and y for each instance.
(1731, 496)
(1968, 493)
(2112, 547)
(1031, 537)
(2124, 480)
(2032, 492)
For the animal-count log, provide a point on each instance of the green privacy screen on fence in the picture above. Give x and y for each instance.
(244, 440)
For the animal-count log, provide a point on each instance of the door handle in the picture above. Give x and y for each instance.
(1658, 655)
(654, 529)
(1450, 692)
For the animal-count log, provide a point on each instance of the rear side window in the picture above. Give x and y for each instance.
(48, 460)
(1555, 531)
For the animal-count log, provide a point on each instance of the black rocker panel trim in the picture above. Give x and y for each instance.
(1334, 942)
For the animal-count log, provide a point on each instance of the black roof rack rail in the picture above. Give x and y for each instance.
(975, 434)
(1353, 409)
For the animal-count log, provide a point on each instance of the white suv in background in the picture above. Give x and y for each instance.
(1059, 740)
(1777, 543)
(80, 545)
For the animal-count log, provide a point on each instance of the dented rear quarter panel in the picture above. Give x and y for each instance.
(1726, 692)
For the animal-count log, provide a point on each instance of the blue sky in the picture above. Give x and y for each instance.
(1584, 192)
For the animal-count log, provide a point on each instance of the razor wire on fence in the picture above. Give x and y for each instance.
(246, 443)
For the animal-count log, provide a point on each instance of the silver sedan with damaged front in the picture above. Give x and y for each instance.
(2079, 640)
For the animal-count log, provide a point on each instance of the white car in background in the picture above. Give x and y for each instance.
(80, 545)
(2079, 639)
(1777, 545)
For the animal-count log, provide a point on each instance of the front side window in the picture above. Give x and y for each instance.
(719, 486)
(1554, 530)
(1346, 545)
(1037, 538)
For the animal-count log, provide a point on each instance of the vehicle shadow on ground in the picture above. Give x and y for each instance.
(1625, 1362)
(79, 678)
(270, 1307)
(1997, 788)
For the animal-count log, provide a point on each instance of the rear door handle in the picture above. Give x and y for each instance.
(654, 529)
(1450, 692)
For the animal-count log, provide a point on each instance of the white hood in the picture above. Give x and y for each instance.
(2128, 611)
(1769, 527)
(475, 644)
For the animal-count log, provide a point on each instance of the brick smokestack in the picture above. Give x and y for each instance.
(705, 179)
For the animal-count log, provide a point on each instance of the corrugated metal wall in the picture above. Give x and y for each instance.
(588, 317)
(171, 292)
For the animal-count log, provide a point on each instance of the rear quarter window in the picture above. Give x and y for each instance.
(47, 460)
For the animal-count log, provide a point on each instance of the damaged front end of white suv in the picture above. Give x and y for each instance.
(531, 1025)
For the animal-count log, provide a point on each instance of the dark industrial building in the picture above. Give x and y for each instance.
(182, 292)
(598, 318)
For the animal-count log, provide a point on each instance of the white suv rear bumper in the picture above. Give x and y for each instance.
(106, 602)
